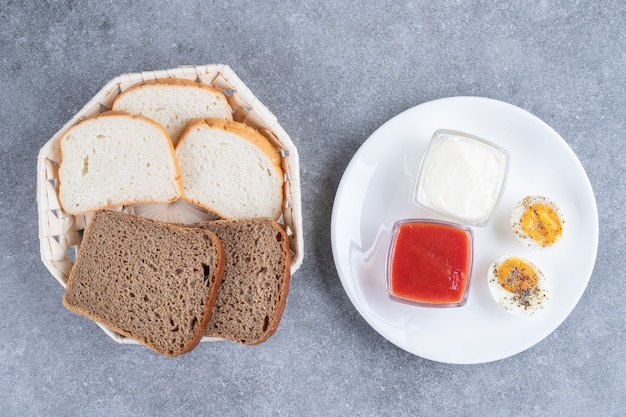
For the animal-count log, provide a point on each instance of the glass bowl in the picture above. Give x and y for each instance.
(462, 177)
(429, 263)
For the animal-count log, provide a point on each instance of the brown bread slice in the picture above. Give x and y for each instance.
(151, 281)
(254, 290)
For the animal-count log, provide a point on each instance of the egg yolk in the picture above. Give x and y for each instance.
(542, 223)
(516, 276)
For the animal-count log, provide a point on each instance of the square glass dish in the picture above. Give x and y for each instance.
(429, 263)
(462, 177)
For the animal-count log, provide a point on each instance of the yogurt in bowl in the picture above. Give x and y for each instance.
(462, 177)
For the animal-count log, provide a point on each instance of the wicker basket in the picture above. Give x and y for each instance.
(60, 233)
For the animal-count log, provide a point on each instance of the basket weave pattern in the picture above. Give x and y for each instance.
(60, 233)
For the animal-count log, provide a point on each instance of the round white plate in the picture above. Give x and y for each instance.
(375, 191)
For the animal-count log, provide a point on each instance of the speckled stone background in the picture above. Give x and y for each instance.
(332, 72)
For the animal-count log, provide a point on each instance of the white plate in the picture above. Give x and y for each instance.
(374, 192)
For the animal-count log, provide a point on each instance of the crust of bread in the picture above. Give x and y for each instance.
(174, 81)
(172, 153)
(181, 82)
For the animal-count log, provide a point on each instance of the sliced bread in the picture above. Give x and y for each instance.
(150, 281)
(174, 102)
(116, 158)
(230, 169)
(256, 279)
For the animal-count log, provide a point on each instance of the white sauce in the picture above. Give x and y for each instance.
(462, 178)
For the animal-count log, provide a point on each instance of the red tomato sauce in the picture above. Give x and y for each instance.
(430, 262)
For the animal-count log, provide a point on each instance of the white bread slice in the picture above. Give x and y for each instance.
(230, 169)
(116, 158)
(174, 102)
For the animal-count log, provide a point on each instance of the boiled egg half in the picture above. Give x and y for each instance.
(537, 221)
(517, 285)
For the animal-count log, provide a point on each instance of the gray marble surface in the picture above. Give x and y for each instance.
(332, 72)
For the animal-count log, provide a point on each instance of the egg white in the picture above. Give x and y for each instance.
(518, 212)
(517, 304)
